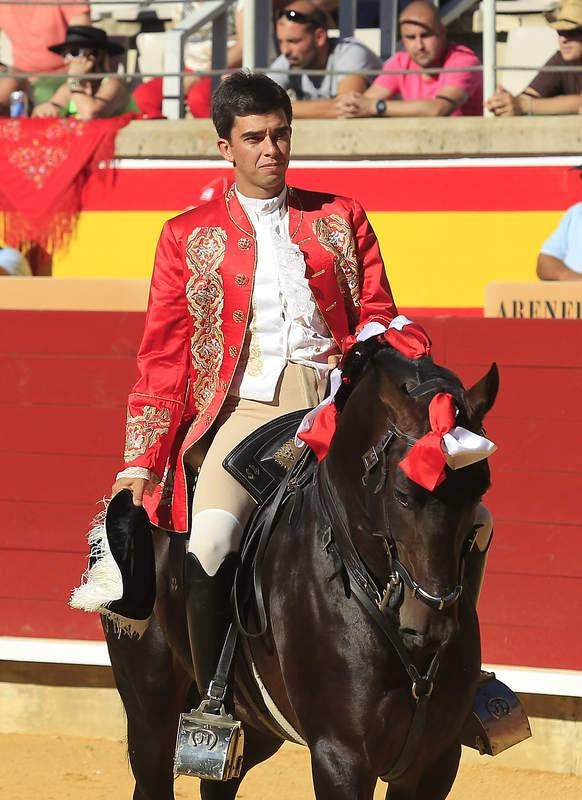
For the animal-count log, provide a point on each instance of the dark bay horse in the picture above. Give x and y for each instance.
(347, 673)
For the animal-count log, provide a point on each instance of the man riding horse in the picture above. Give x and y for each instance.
(255, 297)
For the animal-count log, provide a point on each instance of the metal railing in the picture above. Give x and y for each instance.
(257, 39)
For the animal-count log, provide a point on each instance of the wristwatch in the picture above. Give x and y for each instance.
(380, 108)
(75, 85)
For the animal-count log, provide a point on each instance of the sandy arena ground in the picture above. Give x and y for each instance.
(60, 768)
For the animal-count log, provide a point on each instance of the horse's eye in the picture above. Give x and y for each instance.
(401, 498)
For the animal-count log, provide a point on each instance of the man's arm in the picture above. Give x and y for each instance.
(503, 104)
(156, 403)
(449, 99)
(550, 268)
(376, 303)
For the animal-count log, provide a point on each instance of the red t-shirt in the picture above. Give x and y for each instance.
(31, 29)
(427, 87)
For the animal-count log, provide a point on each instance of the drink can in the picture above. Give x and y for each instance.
(18, 104)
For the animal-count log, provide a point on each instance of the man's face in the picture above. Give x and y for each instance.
(259, 149)
(424, 43)
(299, 43)
(571, 44)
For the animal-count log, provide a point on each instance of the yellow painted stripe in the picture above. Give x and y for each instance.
(434, 259)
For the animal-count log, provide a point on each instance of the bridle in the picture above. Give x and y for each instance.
(376, 457)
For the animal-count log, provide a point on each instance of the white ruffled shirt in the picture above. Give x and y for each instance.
(286, 324)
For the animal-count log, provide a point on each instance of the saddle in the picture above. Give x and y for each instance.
(261, 461)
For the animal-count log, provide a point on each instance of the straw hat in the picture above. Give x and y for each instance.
(567, 16)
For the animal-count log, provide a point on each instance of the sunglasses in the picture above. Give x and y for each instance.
(295, 16)
(79, 52)
(574, 34)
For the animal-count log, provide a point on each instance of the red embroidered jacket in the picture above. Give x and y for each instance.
(197, 316)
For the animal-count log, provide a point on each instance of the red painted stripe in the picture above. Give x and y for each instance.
(530, 647)
(49, 619)
(30, 525)
(471, 188)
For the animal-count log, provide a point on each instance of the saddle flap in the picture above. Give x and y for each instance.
(264, 457)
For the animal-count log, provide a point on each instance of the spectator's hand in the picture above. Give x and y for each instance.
(45, 110)
(137, 486)
(353, 104)
(80, 66)
(503, 104)
(333, 361)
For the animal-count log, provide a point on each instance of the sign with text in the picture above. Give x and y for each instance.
(534, 300)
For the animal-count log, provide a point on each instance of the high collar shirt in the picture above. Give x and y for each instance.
(286, 324)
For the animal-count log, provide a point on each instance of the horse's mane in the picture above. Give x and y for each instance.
(407, 373)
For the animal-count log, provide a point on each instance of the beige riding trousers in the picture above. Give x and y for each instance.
(221, 507)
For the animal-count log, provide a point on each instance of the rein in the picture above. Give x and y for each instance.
(338, 544)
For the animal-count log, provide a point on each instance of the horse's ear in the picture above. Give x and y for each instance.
(404, 411)
(481, 396)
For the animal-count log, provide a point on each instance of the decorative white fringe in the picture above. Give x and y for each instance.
(102, 582)
(125, 625)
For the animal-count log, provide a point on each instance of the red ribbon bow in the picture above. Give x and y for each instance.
(426, 461)
(411, 340)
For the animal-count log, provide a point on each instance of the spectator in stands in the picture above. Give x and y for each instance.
(31, 30)
(560, 257)
(303, 40)
(13, 262)
(197, 58)
(551, 92)
(87, 50)
(421, 94)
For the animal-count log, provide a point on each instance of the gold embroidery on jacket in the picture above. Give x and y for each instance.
(143, 431)
(255, 364)
(335, 234)
(205, 251)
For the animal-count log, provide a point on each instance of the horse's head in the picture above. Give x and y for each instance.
(425, 533)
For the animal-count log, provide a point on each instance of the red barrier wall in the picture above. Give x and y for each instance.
(65, 379)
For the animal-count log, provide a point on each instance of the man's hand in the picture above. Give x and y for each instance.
(352, 105)
(45, 110)
(137, 486)
(503, 104)
(333, 361)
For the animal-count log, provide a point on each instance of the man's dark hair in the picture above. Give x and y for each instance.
(316, 18)
(243, 94)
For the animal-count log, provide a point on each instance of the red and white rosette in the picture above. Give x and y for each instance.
(445, 445)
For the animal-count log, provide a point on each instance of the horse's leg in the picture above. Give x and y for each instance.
(153, 689)
(436, 781)
(258, 748)
(340, 773)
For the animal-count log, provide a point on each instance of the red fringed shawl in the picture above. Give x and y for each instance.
(44, 165)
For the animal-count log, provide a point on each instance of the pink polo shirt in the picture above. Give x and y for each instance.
(31, 29)
(426, 87)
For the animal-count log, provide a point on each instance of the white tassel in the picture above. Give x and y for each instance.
(102, 582)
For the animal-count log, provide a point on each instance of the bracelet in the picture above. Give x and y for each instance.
(75, 84)
(56, 105)
(530, 111)
(77, 91)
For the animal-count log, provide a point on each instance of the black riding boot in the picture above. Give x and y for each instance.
(209, 614)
